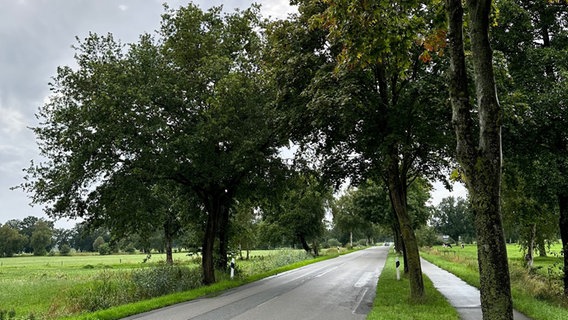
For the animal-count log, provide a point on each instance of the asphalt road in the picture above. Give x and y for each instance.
(340, 288)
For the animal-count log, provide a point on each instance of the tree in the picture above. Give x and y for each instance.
(11, 241)
(533, 39)
(528, 211)
(300, 212)
(345, 216)
(245, 228)
(191, 108)
(364, 99)
(454, 218)
(99, 241)
(41, 238)
(480, 155)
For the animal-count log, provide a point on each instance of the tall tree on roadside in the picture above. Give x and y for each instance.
(191, 108)
(362, 95)
(533, 37)
(479, 153)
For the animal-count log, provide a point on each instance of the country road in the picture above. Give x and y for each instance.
(340, 288)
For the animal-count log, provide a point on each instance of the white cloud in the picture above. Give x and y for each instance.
(12, 121)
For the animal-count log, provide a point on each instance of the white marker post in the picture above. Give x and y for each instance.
(397, 268)
(232, 268)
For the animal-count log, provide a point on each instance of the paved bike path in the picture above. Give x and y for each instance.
(462, 296)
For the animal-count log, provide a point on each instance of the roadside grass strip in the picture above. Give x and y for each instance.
(221, 286)
(527, 291)
(393, 302)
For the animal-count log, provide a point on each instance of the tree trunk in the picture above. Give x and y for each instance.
(208, 246)
(223, 261)
(541, 247)
(563, 206)
(169, 232)
(529, 257)
(396, 235)
(169, 254)
(481, 165)
(304, 243)
(351, 238)
(397, 190)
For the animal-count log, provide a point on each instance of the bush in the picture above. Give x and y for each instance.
(362, 242)
(333, 243)
(130, 248)
(104, 249)
(154, 282)
(65, 250)
(426, 236)
(106, 290)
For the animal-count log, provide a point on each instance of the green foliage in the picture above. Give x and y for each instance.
(41, 238)
(99, 241)
(104, 249)
(299, 213)
(270, 262)
(7, 315)
(154, 282)
(427, 236)
(65, 250)
(107, 289)
(11, 241)
(454, 217)
(333, 243)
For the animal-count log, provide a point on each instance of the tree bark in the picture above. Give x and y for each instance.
(208, 245)
(169, 253)
(481, 165)
(397, 190)
(169, 232)
(223, 261)
(563, 206)
(529, 258)
(304, 243)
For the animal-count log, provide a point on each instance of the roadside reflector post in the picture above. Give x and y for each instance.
(397, 263)
(232, 268)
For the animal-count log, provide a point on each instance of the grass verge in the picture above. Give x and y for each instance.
(164, 301)
(392, 301)
(522, 284)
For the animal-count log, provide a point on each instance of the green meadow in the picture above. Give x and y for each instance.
(51, 287)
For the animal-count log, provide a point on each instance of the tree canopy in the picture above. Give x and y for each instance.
(191, 107)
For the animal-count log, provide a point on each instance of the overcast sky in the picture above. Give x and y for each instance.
(35, 38)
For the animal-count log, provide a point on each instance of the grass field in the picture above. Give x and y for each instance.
(536, 293)
(41, 286)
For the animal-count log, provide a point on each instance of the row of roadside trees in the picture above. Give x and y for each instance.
(184, 129)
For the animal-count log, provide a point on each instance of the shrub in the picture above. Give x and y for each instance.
(333, 243)
(426, 236)
(362, 242)
(106, 290)
(104, 249)
(98, 242)
(130, 248)
(154, 282)
(65, 250)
